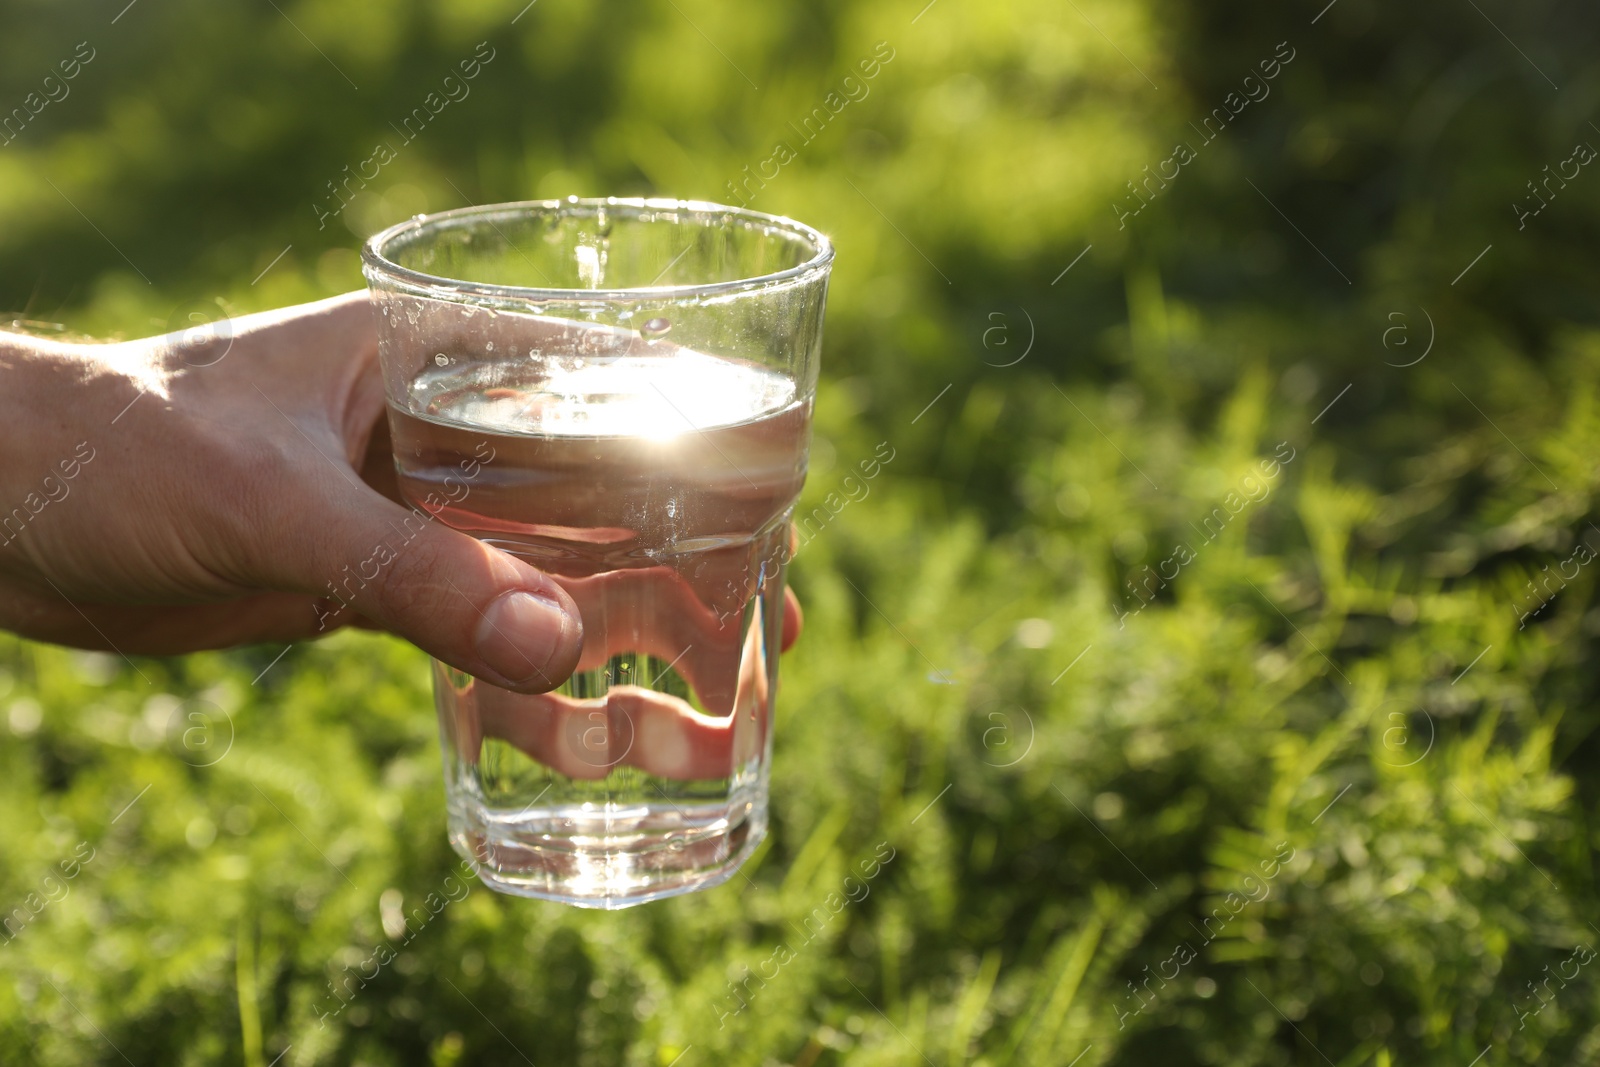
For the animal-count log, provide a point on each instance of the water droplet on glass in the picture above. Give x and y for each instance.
(441, 359)
(655, 328)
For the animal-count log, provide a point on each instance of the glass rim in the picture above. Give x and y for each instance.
(376, 263)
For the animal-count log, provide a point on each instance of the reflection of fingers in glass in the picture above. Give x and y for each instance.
(634, 726)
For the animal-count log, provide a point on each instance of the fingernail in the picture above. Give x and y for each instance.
(521, 634)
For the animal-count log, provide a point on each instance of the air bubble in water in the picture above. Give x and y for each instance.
(441, 359)
(655, 328)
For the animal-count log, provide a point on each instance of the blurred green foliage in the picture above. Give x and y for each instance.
(1325, 776)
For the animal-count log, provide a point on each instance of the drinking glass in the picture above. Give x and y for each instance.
(618, 392)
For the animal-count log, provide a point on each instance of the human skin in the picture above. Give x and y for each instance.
(231, 478)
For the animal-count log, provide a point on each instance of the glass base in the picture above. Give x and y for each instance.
(608, 856)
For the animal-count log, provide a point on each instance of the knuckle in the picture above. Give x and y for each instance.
(415, 583)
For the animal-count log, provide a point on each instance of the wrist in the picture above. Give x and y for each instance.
(16, 347)
(58, 398)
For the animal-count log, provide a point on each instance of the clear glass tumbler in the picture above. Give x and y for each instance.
(618, 392)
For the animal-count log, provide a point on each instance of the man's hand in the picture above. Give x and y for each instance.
(162, 497)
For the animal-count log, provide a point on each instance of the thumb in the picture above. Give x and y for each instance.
(481, 610)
